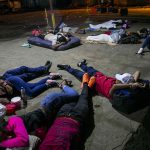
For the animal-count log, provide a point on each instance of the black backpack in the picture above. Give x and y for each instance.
(130, 100)
(130, 39)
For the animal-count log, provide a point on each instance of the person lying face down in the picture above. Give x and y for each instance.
(104, 85)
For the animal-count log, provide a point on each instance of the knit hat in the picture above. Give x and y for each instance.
(2, 111)
(125, 78)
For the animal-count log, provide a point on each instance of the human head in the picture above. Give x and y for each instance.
(62, 38)
(125, 78)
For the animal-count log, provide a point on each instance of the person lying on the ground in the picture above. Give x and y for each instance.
(145, 44)
(14, 132)
(106, 25)
(65, 132)
(13, 80)
(106, 85)
(56, 39)
(109, 37)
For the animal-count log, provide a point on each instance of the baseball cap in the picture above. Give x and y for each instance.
(125, 78)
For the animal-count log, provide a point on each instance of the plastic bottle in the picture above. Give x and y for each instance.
(24, 98)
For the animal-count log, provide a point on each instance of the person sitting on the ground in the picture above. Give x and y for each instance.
(65, 132)
(145, 44)
(14, 132)
(13, 80)
(105, 85)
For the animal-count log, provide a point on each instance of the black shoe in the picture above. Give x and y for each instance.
(81, 63)
(48, 64)
(63, 66)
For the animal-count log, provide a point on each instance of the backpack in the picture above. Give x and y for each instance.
(130, 100)
(130, 39)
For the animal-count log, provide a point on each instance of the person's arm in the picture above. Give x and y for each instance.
(57, 45)
(124, 86)
(136, 75)
(21, 139)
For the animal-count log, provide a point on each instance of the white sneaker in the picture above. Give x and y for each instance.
(140, 51)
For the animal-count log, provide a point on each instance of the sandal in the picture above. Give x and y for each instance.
(52, 83)
(55, 76)
(65, 82)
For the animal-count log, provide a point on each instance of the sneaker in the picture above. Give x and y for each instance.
(55, 76)
(81, 63)
(48, 64)
(63, 66)
(85, 79)
(91, 82)
(140, 51)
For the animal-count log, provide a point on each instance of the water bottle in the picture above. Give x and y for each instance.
(23, 97)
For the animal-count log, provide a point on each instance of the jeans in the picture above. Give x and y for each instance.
(25, 73)
(55, 100)
(18, 78)
(78, 73)
(77, 110)
(146, 43)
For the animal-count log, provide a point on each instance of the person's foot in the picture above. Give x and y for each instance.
(91, 82)
(81, 63)
(55, 76)
(140, 51)
(52, 83)
(63, 66)
(65, 82)
(48, 64)
(85, 79)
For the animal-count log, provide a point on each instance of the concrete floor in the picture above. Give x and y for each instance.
(111, 127)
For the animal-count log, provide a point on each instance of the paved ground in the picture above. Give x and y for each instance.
(111, 127)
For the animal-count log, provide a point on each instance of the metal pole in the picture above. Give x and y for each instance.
(52, 13)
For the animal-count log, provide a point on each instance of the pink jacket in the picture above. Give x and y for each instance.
(21, 139)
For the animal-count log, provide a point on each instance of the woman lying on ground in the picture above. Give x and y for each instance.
(13, 80)
(106, 85)
(65, 132)
(57, 39)
(14, 132)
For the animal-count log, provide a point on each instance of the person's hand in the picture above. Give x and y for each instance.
(136, 85)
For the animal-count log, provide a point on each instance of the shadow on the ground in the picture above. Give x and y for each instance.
(141, 137)
(16, 31)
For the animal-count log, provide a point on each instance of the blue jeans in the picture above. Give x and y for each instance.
(77, 110)
(26, 73)
(146, 43)
(18, 78)
(78, 73)
(53, 101)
